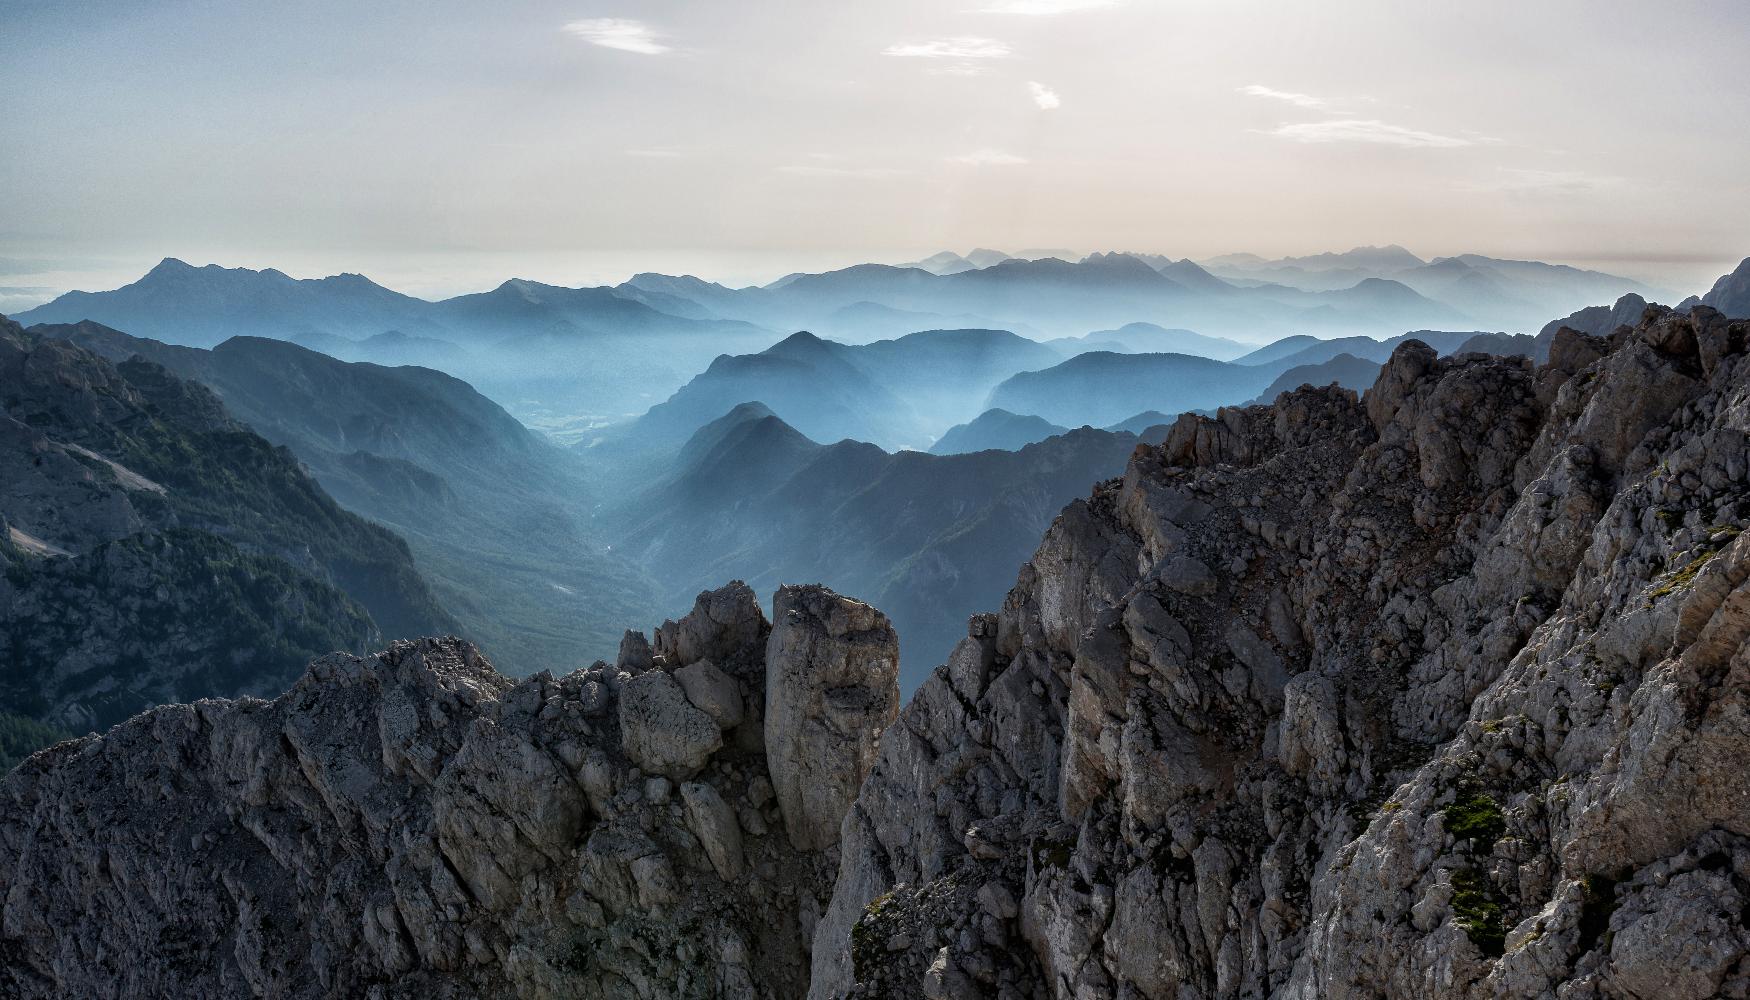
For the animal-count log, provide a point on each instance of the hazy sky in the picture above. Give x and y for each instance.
(441, 146)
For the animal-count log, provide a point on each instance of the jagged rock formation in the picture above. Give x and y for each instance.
(1437, 692)
(833, 689)
(414, 824)
(1599, 321)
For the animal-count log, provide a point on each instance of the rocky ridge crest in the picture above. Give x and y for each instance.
(1433, 692)
(414, 824)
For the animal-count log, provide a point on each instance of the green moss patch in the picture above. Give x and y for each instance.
(1476, 817)
(1479, 912)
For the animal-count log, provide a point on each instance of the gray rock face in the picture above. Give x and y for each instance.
(834, 689)
(663, 732)
(413, 824)
(1455, 712)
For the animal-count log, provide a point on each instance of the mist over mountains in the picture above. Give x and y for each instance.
(679, 437)
(569, 358)
(200, 514)
(497, 516)
(751, 496)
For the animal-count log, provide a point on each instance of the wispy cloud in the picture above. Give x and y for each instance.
(1043, 8)
(1044, 96)
(988, 158)
(1289, 96)
(951, 48)
(1365, 131)
(618, 33)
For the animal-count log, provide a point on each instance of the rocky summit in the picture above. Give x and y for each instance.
(1436, 690)
(414, 824)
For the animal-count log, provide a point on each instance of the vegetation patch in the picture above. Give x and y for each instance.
(865, 938)
(1476, 817)
(21, 736)
(1479, 911)
(1682, 577)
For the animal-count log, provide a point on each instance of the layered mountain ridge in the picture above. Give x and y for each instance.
(1430, 691)
(156, 550)
(496, 514)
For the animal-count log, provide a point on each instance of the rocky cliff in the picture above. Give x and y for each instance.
(414, 824)
(1434, 691)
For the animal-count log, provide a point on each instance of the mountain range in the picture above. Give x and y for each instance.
(569, 358)
(893, 393)
(751, 497)
(1436, 691)
(498, 517)
(157, 550)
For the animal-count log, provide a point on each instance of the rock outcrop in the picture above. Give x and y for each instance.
(414, 824)
(1437, 692)
(833, 689)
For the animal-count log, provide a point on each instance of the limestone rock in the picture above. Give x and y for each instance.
(834, 687)
(714, 823)
(712, 691)
(1462, 719)
(661, 731)
(415, 825)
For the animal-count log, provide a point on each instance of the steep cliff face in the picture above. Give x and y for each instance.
(414, 824)
(1437, 692)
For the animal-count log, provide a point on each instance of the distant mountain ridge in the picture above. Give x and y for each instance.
(1217, 297)
(156, 550)
(543, 350)
(895, 393)
(497, 516)
(752, 497)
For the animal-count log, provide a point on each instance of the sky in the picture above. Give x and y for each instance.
(441, 146)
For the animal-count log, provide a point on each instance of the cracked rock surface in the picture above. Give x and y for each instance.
(414, 824)
(1436, 692)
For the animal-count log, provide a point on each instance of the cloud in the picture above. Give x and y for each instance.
(988, 158)
(1044, 96)
(618, 33)
(1367, 131)
(951, 48)
(1043, 8)
(1298, 100)
(656, 154)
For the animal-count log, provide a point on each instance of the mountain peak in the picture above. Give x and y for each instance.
(1731, 294)
(169, 267)
(800, 340)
